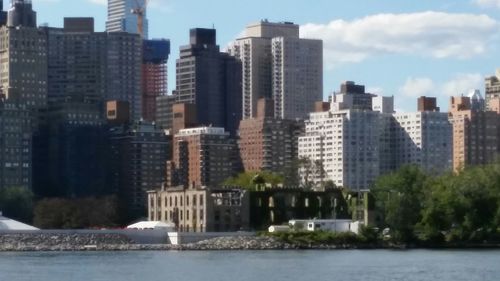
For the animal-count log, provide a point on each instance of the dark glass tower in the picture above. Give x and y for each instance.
(211, 80)
(21, 14)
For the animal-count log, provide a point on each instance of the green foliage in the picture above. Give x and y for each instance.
(453, 208)
(59, 213)
(17, 203)
(250, 180)
(307, 238)
(399, 197)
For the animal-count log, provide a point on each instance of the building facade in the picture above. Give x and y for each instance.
(475, 133)
(164, 111)
(203, 157)
(424, 139)
(200, 210)
(297, 76)
(344, 147)
(211, 80)
(122, 19)
(272, 56)
(492, 87)
(72, 150)
(23, 66)
(139, 156)
(98, 65)
(15, 146)
(352, 144)
(154, 75)
(268, 144)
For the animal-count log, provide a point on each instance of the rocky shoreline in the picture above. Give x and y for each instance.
(118, 242)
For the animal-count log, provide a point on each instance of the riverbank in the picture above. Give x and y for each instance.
(117, 242)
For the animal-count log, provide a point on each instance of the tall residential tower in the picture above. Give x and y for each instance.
(122, 18)
(278, 64)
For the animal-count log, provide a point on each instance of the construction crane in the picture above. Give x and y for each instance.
(140, 11)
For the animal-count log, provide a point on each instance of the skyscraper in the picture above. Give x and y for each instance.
(154, 75)
(121, 17)
(209, 79)
(475, 132)
(98, 65)
(23, 58)
(278, 64)
(21, 14)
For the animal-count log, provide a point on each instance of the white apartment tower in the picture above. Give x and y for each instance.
(122, 19)
(423, 139)
(355, 144)
(348, 143)
(278, 64)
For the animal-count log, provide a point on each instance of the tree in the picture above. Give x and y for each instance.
(250, 180)
(17, 203)
(399, 196)
(77, 213)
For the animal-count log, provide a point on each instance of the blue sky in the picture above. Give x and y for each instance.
(394, 47)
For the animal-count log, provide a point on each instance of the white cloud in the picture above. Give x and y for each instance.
(462, 83)
(416, 87)
(99, 2)
(426, 34)
(457, 85)
(487, 3)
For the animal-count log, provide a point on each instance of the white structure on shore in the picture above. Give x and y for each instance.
(12, 225)
(333, 225)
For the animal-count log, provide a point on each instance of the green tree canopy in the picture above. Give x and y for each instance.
(250, 180)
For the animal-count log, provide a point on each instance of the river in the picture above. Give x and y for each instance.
(339, 265)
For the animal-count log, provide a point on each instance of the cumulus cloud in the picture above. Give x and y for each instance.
(487, 3)
(459, 84)
(416, 87)
(426, 34)
(462, 83)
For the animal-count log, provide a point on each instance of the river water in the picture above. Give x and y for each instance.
(253, 266)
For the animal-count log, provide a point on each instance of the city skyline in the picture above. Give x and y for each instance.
(391, 63)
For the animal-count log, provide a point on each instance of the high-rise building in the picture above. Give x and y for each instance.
(139, 155)
(23, 59)
(124, 70)
(352, 144)
(344, 147)
(21, 14)
(297, 76)
(475, 133)
(121, 17)
(427, 104)
(424, 139)
(98, 65)
(72, 150)
(261, 53)
(267, 143)
(164, 111)
(352, 96)
(154, 75)
(15, 146)
(203, 157)
(211, 80)
(492, 84)
(383, 104)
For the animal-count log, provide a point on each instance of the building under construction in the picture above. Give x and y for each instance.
(154, 75)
